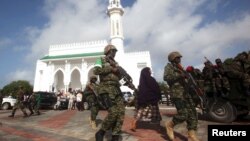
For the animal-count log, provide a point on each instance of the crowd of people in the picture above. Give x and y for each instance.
(220, 79)
(71, 100)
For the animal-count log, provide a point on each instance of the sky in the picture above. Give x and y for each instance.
(195, 28)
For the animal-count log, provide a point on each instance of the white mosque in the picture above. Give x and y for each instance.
(71, 65)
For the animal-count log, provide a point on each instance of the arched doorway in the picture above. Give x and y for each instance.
(75, 82)
(58, 81)
(91, 73)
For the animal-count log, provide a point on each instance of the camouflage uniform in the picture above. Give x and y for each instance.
(28, 104)
(181, 98)
(209, 79)
(91, 92)
(36, 102)
(109, 84)
(197, 76)
(238, 77)
(222, 86)
(19, 104)
(186, 111)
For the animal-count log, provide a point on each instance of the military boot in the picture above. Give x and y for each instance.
(192, 136)
(99, 135)
(93, 124)
(170, 129)
(115, 138)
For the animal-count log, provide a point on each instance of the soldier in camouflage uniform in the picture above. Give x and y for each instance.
(238, 76)
(19, 104)
(209, 75)
(198, 78)
(222, 85)
(174, 76)
(35, 100)
(106, 68)
(91, 95)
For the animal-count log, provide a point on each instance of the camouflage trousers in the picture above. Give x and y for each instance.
(28, 105)
(115, 118)
(19, 105)
(186, 111)
(94, 107)
(36, 106)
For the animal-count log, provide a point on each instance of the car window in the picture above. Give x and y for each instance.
(45, 94)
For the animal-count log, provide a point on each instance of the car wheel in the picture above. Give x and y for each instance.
(222, 111)
(85, 105)
(5, 106)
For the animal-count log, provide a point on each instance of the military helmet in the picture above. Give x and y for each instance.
(93, 77)
(173, 55)
(108, 48)
(218, 60)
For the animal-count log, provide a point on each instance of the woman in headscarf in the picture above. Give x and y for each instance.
(148, 98)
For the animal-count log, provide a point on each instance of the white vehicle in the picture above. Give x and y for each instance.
(8, 102)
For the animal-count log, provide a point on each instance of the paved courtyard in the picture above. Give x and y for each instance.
(74, 126)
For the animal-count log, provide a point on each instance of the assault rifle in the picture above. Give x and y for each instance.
(101, 102)
(207, 60)
(212, 65)
(216, 71)
(125, 78)
(191, 83)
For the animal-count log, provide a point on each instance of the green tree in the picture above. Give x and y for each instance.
(1, 97)
(13, 87)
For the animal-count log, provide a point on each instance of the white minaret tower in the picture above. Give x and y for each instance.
(115, 12)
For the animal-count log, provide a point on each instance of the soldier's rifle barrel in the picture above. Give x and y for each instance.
(194, 86)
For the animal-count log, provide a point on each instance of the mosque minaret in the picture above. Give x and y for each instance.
(70, 65)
